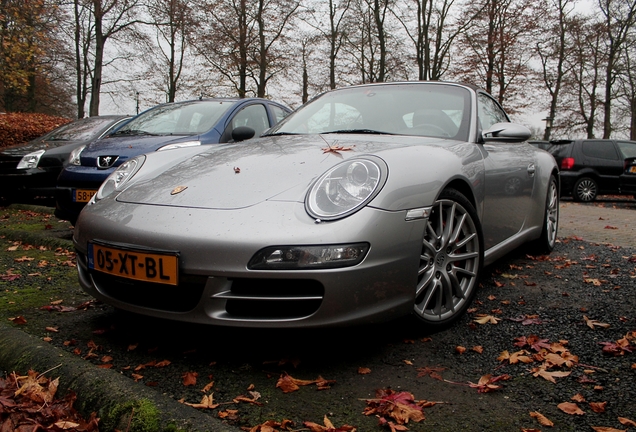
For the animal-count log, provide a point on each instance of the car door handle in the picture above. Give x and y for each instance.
(531, 170)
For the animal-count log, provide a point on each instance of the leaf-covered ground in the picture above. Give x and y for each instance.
(548, 345)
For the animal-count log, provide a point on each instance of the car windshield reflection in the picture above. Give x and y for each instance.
(401, 109)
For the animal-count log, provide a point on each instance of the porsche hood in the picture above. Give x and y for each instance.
(241, 175)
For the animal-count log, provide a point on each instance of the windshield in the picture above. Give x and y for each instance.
(436, 110)
(80, 130)
(187, 118)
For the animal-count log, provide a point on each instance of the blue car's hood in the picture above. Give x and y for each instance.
(127, 146)
(280, 168)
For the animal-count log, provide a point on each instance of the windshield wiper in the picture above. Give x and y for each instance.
(359, 131)
(279, 134)
(132, 132)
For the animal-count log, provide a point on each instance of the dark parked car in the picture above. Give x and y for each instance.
(627, 180)
(543, 145)
(366, 204)
(591, 167)
(164, 127)
(31, 169)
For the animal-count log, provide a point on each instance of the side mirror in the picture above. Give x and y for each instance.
(506, 132)
(243, 133)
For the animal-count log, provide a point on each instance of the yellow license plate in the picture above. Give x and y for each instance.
(83, 195)
(632, 169)
(155, 267)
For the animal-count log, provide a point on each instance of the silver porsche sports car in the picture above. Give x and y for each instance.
(366, 204)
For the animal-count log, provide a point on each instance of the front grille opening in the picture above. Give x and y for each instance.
(275, 298)
(181, 298)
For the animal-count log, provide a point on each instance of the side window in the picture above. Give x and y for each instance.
(253, 116)
(279, 113)
(599, 149)
(489, 111)
(627, 148)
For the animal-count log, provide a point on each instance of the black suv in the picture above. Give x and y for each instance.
(590, 167)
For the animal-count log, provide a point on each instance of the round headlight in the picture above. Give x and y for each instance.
(30, 160)
(346, 188)
(117, 180)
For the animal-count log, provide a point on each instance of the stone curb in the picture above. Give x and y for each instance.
(98, 390)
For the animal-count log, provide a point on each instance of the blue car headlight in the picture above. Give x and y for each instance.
(346, 188)
(74, 157)
(121, 176)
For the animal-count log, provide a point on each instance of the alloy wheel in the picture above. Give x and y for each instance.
(552, 213)
(449, 263)
(586, 190)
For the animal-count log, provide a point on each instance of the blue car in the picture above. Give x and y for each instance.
(164, 127)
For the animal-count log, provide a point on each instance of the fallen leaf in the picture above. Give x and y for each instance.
(570, 408)
(399, 406)
(208, 387)
(460, 349)
(485, 319)
(606, 429)
(432, 372)
(207, 402)
(543, 420)
(190, 378)
(598, 407)
(550, 376)
(594, 323)
(578, 398)
(487, 384)
(18, 320)
(364, 370)
(289, 384)
(627, 422)
(328, 427)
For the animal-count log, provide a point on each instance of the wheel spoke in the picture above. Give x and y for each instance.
(463, 256)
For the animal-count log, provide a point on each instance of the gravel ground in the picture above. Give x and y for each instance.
(545, 299)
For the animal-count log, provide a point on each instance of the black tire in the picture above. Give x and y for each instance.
(450, 261)
(585, 190)
(545, 244)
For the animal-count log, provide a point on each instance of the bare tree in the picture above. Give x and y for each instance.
(580, 89)
(367, 39)
(273, 18)
(552, 50)
(334, 33)
(494, 50)
(245, 40)
(432, 33)
(619, 17)
(626, 81)
(172, 21)
(111, 19)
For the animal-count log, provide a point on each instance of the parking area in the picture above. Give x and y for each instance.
(549, 299)
(608, 220)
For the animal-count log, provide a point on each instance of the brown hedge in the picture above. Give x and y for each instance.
(17, 128)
